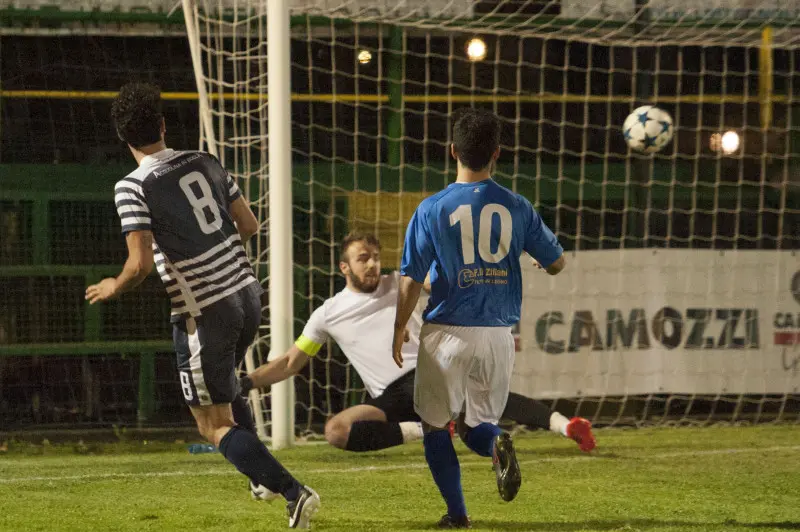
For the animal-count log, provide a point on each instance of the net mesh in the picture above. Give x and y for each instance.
(74, 392)
(59, 160)
(373, 85)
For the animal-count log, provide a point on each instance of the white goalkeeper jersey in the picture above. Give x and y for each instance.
(363, 326)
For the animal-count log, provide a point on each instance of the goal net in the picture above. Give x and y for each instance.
(681, 299)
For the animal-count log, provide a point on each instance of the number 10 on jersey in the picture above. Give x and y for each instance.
(462, 216)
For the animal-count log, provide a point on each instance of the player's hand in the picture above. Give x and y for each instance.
(397, 347)
(102, 291)
(536, 263)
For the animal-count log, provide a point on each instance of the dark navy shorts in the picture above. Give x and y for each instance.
(211, 346)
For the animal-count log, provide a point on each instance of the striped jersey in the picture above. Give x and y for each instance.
(184, 199)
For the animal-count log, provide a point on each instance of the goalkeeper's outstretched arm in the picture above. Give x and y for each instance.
(288, 364)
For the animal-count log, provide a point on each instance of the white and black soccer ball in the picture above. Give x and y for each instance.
(648, 129)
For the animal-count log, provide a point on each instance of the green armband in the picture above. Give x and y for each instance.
(307, 345)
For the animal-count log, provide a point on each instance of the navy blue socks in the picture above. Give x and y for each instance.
(443, 462)
(245, 451)
(481, 438)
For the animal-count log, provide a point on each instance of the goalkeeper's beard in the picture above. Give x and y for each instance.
(367, 286)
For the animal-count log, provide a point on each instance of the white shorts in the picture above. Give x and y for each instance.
(463, 369)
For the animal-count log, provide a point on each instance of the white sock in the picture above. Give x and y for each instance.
(558, 423)
(411, 430)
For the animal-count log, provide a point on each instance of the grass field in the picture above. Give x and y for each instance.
(716, 478)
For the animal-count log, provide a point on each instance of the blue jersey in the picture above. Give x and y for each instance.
(470, 236)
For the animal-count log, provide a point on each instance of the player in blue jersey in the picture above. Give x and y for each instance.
(470, 236)
(183, 212)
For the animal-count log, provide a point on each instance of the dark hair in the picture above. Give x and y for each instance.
(357, 236)
(476, 136)
(136, 112)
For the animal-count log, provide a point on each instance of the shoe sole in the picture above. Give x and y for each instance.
(582, 434)
(310, 509)
(509, 476)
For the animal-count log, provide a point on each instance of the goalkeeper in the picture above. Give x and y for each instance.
(360, 319)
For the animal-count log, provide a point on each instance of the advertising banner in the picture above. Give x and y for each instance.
(661, 321)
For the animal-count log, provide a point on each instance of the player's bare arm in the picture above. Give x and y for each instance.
(134, 272)
(288, 364)
(407, 297)
(246, 222)
(555, 268)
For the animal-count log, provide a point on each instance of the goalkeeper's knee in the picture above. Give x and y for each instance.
(337, 433)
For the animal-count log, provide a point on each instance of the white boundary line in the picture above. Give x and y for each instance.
(394, 467)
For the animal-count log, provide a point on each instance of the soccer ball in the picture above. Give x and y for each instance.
(647, 129)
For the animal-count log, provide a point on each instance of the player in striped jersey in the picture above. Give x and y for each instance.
(183, 211)
(360, 319)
